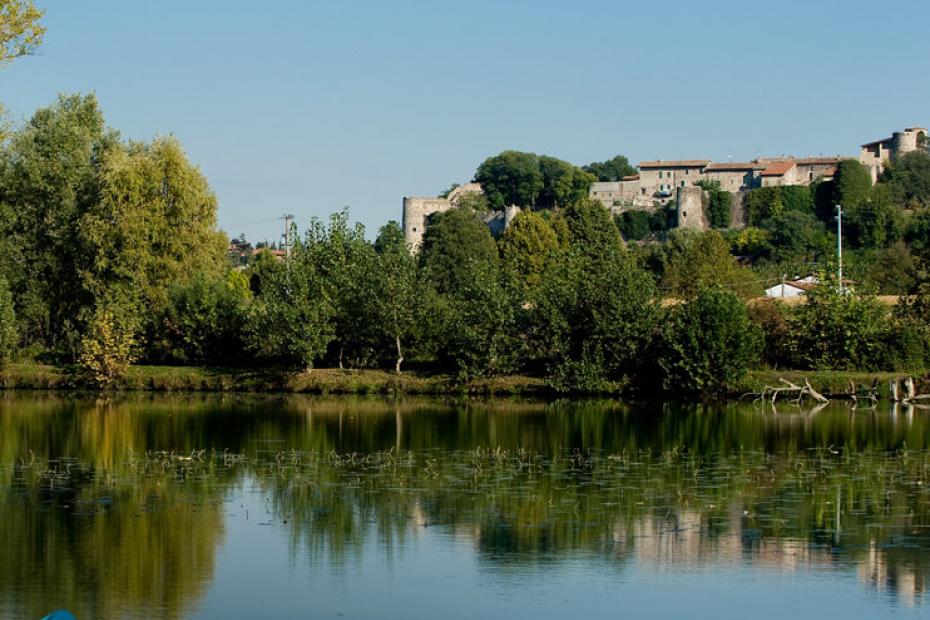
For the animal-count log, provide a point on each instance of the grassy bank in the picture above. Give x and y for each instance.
(335, 381)
(318, 381)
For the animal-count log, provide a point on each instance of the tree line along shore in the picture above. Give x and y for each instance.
(113, 274)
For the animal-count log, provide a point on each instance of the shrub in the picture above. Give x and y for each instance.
(108, 348)
(708, 344)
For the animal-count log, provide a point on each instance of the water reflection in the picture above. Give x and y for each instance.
(118, 507)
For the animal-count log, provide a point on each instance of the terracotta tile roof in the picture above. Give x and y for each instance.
(680, 163)
(738, 166)
(818, 161)
(632, 177)
(778, 168)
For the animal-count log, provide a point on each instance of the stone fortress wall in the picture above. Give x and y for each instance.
(663, 181)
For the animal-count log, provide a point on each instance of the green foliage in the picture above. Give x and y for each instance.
(530, 180)
(20, 30)
(291, 320)
(110, 344)
(343, 258)
(796, 198)
(719, 204)
(9, 335)
(908, 178)
(892, 270)
(395, 296)
(748, 241)
(917, 232)
(708, 344)
(798, 237)
(454, 242)
(838, 330)
(634, 225)
(613, 169)
(874, 222)
(526, 247)
(852, 184)
(480, 336)
(511, 178)
(589, 223)
(692, 261)
(763, 204)
(563, 183)
(592, 318)
(206, 319)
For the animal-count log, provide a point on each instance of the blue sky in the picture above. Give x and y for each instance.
(304, 107)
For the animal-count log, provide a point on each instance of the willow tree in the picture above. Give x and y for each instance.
(153, 226)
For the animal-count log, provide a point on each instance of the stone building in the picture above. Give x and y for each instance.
(417, 210)
(874, 155)
(658, 180)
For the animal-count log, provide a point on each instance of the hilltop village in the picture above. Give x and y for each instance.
(658, 184)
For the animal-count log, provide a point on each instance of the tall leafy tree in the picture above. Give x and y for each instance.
(908, 177)
(613, 169)
(396, 294)
(708, 344)
(511, 178)
(292, 319)
(852, 184)
(48, 182)
(563, 183)
(454, 241)
(152, 227)
(526, 247)
(343, 256)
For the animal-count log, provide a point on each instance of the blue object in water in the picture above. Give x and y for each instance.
(60, 614)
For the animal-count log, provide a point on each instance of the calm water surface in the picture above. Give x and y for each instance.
(215, 507)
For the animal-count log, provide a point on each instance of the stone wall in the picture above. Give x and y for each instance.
(691, 200)
(416, 211)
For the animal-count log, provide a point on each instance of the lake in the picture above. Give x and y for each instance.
(182, 506)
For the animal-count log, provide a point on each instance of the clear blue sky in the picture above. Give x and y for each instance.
(304, 107)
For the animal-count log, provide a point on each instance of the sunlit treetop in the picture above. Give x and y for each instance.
(20, 30)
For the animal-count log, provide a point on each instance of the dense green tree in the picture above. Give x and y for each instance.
(797, 198)
(205, 320)
(526, 247)
(852, 184)
(875, 222)
(917, 232)
(838, 330)
(798, 237)
(480, 337)
(908, 177)
(292, 319)
(396, 295)
(634, 225)
(589, 224)
(613, 169)
(343, 256)
(563, 183)
(20, 30)
(719, 204)
(693, 260)
(892, 271)
(48, 181)
(153, 226)
(511, 178)
(9, 336)
(708, 344)
(454, 241)
(762, 204)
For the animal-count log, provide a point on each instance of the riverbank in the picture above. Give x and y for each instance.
(30, 376)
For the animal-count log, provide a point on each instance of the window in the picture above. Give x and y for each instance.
(687, 171)
(682, 183)
(660, 174)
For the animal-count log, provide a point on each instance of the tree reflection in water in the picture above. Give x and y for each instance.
(117, 506)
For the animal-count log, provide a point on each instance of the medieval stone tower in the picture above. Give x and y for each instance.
(690, 201)
(417, 210)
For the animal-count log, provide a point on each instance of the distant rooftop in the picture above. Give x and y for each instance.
(778, 168)
(737, 166)
(680, 163)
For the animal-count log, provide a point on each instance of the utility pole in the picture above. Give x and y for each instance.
(839, 244)
(287, 234)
